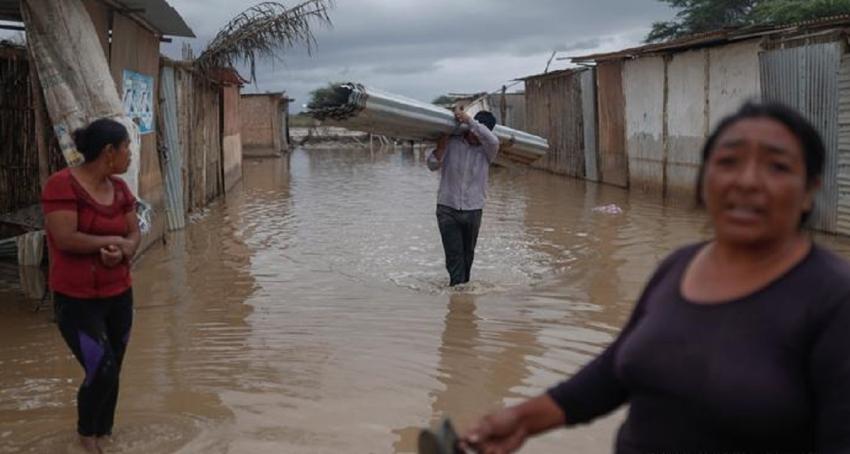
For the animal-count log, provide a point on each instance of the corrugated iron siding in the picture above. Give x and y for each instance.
(554, 111)
(514, 112)
(843, 171)
(644, 86)
(613, 165)
(588, 107)
(173, 155)
(806, 78)
(687, 120)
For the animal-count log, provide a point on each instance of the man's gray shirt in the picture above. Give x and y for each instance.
(465, 169)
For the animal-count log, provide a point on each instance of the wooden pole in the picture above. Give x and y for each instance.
(503, 106)
(39, 115)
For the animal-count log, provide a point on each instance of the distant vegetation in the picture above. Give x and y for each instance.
(326, 96)
(301, 120)
(700, 16)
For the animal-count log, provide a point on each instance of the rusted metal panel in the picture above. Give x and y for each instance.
(589, 123)
(806, 78)
(613, 165)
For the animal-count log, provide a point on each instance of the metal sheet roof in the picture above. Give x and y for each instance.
(556, 73)
(158, 14)
(717, 37)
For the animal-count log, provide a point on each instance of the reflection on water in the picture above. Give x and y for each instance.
(308, 312)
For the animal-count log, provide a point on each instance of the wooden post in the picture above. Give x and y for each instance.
(39, 115)
(503, 106)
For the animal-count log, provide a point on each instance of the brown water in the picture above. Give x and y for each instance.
(308, 312)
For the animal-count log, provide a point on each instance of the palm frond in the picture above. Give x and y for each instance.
(260, 31)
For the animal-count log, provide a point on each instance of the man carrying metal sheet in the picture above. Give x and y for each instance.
(464, 162)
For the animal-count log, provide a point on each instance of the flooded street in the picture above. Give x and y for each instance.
(308, 312)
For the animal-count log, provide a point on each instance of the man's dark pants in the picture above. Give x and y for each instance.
(459, 230)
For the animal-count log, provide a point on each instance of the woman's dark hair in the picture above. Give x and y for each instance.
(814, 151)
(92, 139)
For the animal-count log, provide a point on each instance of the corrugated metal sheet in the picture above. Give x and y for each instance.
(733, 78)
(806, 78)
(588, 107)
(157, 14)
(369, 110)
(687, 120)
(644, 87)
(173, 156)
(718, 37)
(613, 165)
(514, 109)
(555, 112)
(843, 170)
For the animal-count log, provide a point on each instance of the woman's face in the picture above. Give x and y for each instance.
(119, 158)
(755, 185)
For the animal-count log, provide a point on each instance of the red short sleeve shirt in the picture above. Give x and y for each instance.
(83, 275)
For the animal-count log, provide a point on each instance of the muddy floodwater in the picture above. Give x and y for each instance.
(307, 312)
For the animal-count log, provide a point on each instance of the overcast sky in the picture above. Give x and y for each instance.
(424, 48)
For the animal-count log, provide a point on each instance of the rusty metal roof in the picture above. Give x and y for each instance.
(157, 14)
(718, 37)
(558, 73)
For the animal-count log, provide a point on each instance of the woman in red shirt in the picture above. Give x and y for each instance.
(92, 234)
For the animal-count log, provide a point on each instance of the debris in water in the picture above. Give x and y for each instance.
(608, 209)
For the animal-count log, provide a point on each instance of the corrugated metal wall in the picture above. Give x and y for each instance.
(843, 171)
(173, 154)
(554, 111)
(733, 78)
(687, 120)
(806, 78)
(514, 112)
(613, 165)
(644, 83)
(588, 107)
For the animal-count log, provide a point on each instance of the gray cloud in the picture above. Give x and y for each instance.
(424, 48)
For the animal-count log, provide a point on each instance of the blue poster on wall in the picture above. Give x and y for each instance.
(138, 100)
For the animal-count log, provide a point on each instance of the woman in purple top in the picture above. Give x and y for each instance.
(740, 344)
